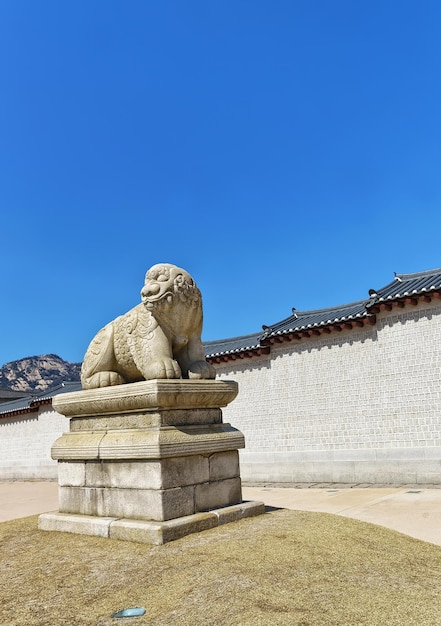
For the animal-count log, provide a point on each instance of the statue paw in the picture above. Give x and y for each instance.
(201, 369)
(103, 379)
(164, 368)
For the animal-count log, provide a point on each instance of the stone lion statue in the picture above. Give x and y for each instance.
(159, 338)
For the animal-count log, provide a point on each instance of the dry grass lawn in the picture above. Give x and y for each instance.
(285, 567)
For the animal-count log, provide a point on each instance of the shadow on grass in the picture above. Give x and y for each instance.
(271, 509)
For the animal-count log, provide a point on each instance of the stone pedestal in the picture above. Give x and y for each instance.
(149, 461)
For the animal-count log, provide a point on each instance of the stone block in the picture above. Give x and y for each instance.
(432, 454)
(168, 442)
(158, 533)
(189, 417)
(151, 504)
(147, 394)
(124, 474)
(217, 494)
(72, 473)
(158, 505)
(140, 531)
(147, 419)
(147, 531)
(150, 474)
(79, 500)
(131, 444)
(224, 465)
(361, 454)
(236, 512)
(77, 446)
(95, 475)
(184, 470)
(78, 524)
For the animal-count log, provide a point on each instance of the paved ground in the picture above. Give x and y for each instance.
(415, 511)
(20, 499)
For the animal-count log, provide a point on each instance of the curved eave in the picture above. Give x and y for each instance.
(240, 353)
(326, 327)
(15, 412)
(332, 324)
(43, 401)
(32, 407)
(399, 300)
(213, 355)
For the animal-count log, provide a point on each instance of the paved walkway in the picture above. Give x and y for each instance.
(415, 511)
(20, 499)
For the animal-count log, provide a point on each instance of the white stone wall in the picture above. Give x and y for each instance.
(359, 406)
(356, 406)
(25, 444)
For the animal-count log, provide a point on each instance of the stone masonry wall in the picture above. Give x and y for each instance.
(25, 444)
(356, 406)
(359, 406)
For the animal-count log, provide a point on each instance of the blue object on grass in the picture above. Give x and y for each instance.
(134, 612)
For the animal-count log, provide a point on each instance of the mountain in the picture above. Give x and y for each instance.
(37, 373)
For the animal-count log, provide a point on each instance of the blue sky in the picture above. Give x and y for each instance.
(286, 153)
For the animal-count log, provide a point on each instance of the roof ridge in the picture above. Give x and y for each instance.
(338, 307)
(417, 274)
(213, 341)
(332, 308)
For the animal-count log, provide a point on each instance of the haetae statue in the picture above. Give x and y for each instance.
(159, 338)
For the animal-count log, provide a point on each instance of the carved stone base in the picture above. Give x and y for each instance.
(155, 451)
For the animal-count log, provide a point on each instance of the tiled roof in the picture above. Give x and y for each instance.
(407, 285)
(303, 320)
(230, 346)
(32, 402)
(65, 387)
(299, 321)
(404, 289)
(14, 407)
(6, 395)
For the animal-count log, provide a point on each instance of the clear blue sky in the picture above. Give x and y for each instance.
(285, 152)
